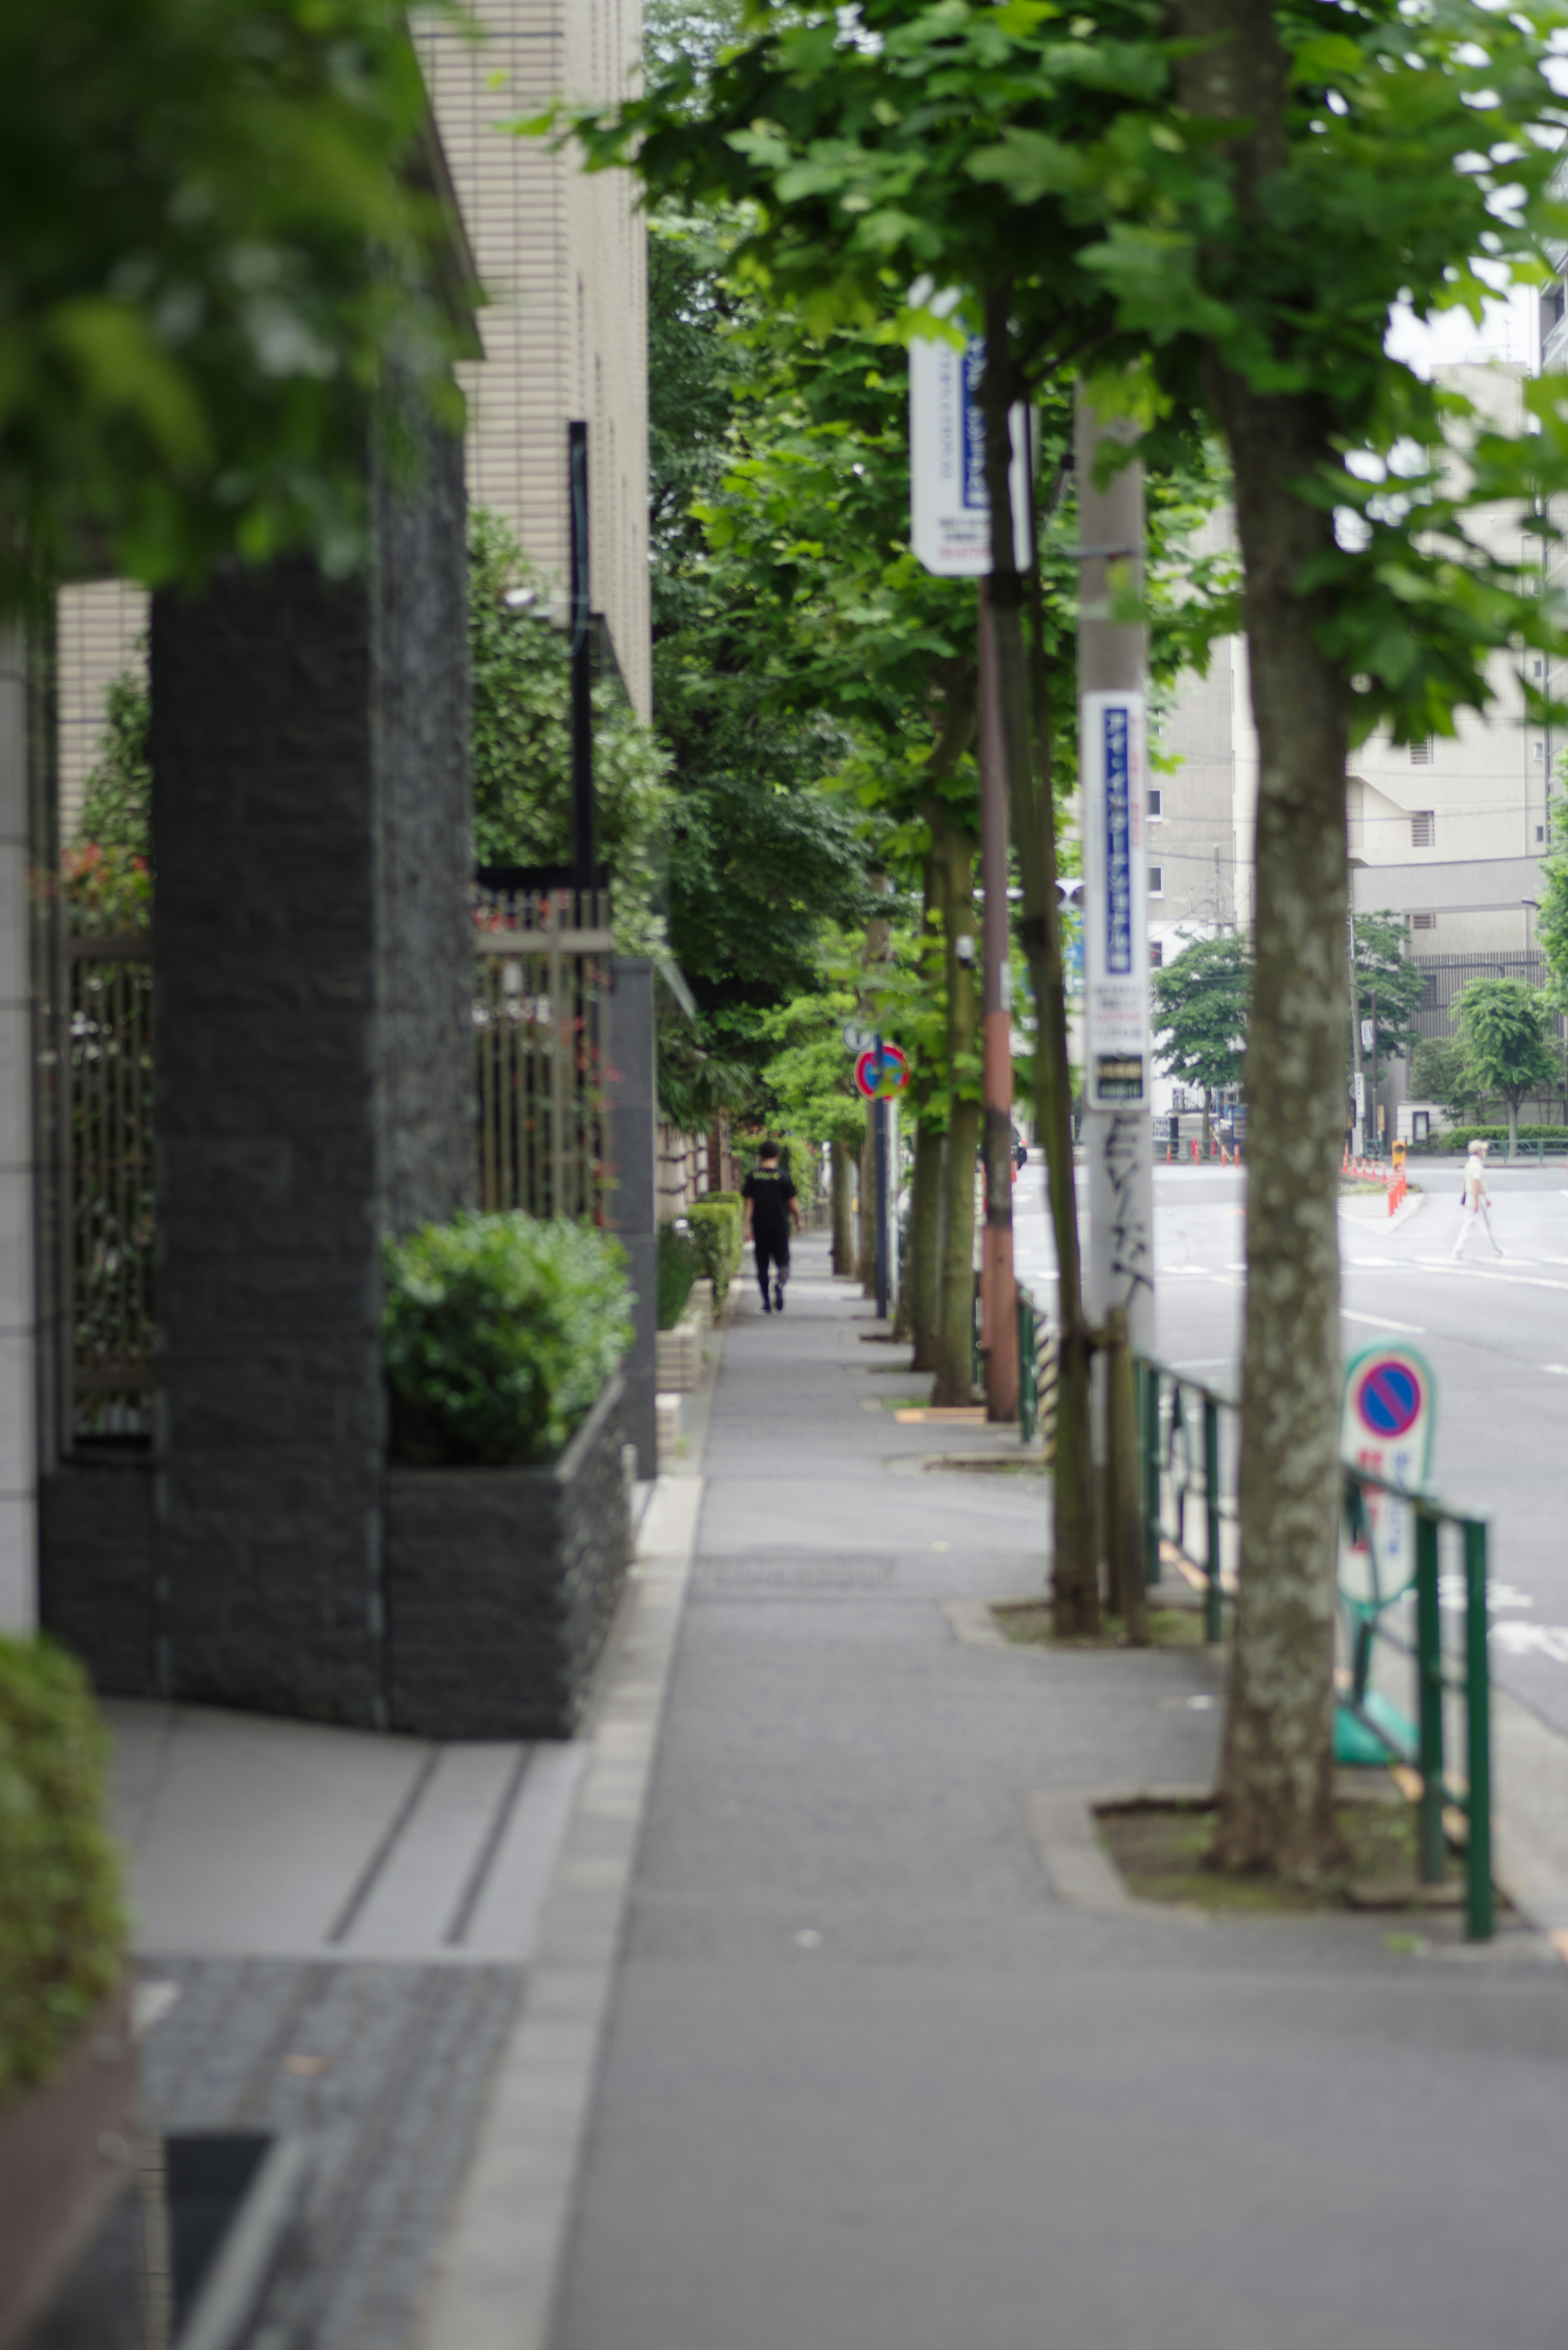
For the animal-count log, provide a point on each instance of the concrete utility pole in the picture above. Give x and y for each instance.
(1116, 1059)
(998, 1289)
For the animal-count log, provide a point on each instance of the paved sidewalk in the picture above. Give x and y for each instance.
(870, 2086)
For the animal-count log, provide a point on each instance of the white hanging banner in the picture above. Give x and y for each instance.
(949, 512)
(1115, 938)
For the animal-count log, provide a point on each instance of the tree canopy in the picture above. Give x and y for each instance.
(224, 257)
(1506, 1036)
(1201, 999)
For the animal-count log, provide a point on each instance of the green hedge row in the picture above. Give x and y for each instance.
(62, 1925)
(1459, 1138)
(680, 1266)
(498, 1335)
(716, 1224)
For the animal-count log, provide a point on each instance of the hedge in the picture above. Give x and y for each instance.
(1459, 1138)
(678, 1267)
(716, 1224)
(62, 1922)
(498, 1336)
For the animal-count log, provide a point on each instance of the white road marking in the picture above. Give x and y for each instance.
(1560, 1368)
(1487, 1272)
(1381, 1322)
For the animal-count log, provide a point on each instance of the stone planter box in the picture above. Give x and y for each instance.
(501, 1584)
(699, 1305)
(64, 2152)
(678, 1357)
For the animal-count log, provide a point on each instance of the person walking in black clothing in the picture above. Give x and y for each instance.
(770, 1209)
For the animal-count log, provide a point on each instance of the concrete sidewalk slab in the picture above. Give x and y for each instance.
(258, 1838)
(869, 2083)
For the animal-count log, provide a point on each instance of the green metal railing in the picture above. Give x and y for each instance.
(1187, 1444)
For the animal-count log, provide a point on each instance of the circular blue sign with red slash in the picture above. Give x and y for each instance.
(882, 1072)
(1389, 1397)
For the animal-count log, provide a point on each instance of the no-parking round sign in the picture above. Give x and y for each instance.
(1387, 1421)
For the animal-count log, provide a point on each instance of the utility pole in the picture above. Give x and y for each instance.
(1113, 764)
(998, 1289)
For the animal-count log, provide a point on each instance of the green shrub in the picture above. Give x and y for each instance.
(62, 1926)
(498, 1335)
(678, 1267)
(1459, 1138)
(716, 1225)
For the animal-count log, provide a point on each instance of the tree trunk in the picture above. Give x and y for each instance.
(1276, 1779)
(843, 1206)
(1075, 1571)
(924, 1268)
(1512, 1127)
(921, 1274)
(879, 946)
(955, 1342)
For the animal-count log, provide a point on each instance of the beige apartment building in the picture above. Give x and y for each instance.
(563, 257)
(1447, 834)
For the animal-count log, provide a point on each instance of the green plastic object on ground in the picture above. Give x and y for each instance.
(1373, 1732)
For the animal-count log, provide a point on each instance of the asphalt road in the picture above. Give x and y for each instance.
(1495, 1330)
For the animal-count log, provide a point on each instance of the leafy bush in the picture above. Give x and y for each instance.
(679, 1266)
(62, 1928)
(498, 1335)
(716, 1223)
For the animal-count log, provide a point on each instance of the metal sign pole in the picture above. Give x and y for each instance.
(582, 668)
(879, 1121)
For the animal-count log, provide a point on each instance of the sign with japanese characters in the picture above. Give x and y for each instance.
(1115, 944)
(950, 511)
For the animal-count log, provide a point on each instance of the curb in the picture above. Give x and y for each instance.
(494, 2283)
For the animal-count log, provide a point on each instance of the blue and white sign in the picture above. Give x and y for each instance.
(1388, 1421)
(949, 512)
(1115, 944)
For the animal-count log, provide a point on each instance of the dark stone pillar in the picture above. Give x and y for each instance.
(312, 959)
(634, 1147)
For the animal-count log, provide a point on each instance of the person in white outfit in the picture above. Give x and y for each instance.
(1477, 1201)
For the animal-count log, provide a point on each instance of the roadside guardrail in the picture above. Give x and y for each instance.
(1189, 1449)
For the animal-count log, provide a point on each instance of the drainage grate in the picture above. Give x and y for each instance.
(781, 1570)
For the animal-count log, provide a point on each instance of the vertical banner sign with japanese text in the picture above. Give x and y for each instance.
(1115, 944)
(950, 511)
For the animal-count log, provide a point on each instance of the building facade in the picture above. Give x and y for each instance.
(563, 258)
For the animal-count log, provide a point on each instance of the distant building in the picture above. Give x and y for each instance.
(1448, 834)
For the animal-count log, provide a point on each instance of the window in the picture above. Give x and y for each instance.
(1155, 954)
(1423, 828)
(1551, 307)
(1423, 921)
(1421, 753)
(1156, 809)
(1541, 832)
(1156, 881)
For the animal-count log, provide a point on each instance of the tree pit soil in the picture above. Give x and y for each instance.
(1161, 1850)
(1028, 1624)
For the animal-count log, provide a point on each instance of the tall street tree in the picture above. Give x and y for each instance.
(1506, 1043)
